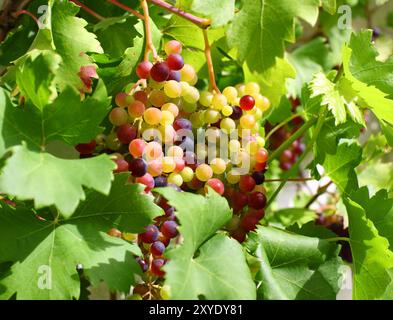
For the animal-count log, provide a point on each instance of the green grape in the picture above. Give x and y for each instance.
(167, 118)
(211, 116)
(219, 101)
(191, 95)
(112, 142)
(206, 98)
(231, 94)
(252, 89)
(176, 179)
(187, 174)
(189, 107)
(187, 73)
(227, 125)
(172, 89)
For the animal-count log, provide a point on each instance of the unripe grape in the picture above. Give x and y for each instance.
(191, 95)
(206, 98)
(187, 73)
(227, 125)
(118, 116)
(241, 90)
(252, 148)
(160, 72)
(152, 116)
(252, 88)
(113, 142)
(157, 98)
(262, 102)
(204, 172)
(218, 165)
(122, 99)
(231, 94)
(136, 109)
(143, 69)
(227, 111)
(234, 146)
(173, 46)
(172, 108)
(247, 121)
(219, 101)
(211, 116)
(187, 174)
(172, 89)
(167, 118)
(189, 107)
(176, 179)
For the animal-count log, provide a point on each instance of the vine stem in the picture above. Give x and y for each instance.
(295, 167)
(126, 8)
(292, 139)
(20, 12)
(320, 192)
(88, 10)
(338, 239)
(290, 180)
(282, 124)
(200, 22)
(209, 61)
(149, 41)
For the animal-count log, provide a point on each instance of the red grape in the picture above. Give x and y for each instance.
(160, 72)
(126, 133)
(246, 184)
(257, 200)
(169, 229)
(156, 266)
(157, 249)
(247, 103)
(216, 185)
(150, 235)
(175, 61)
(86, 148)
(143, 69)
(122, 165)
(249, 222)
(138, 167)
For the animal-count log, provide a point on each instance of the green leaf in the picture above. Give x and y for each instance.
(35, 77)
(191, 272)
(67, 119)
(220, 12)
(63, 244)
(338, 97)
(291, 216)
(330, 6)
(50, 181)
(372, 259)
(387, 129)
(259, 35)
(295, 267)
(377, 175)
(340, 166)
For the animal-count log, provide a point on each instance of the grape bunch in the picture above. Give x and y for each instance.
(289, 157)
(167, 133)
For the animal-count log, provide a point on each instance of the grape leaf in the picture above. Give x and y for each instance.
(220, 12)
(78, 122)
(376, 175)
(62, 244)
(52, 181)
(261, 28)
(35, 76)
(293, 266)
(191, 272)
(338, 97)
(364, 65)
(340, 166)
(330, 6)
(372, 259)
(387, 129)
(291, 216)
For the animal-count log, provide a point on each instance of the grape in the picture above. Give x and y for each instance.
(233, 224)
(298, 147)
(218, 165)
(175, 151)
(152, 116)
(257, 200)
(174, 75)
(112, 142)
(285, 166)
(241, 90)
(160, 72)
(232, 177)
(191, 96)
(204, 172)
(126, 133)
(187, 73)
(118, 116)
(168, 164)
(172, 108)
(239, 235)
(262, 102)
(180, 164)
(160, 182)
(173, 46)
(206, 98)
(176, 179)
(175, 61)
(211, 116)
(167, 118)
(138, 167)
(143, 69)
(236, 113)
(219, 101)
(121, 166)
(187, 174)
(227, 111)
(114, 233)
(169, 229)
(182, 123)
(86, 148)
(259, 178)
(247, 103)
(141, 96)
(156, 266)
(154, 167)
(146, 180)
(143, 264)
(122, 99)
(246, 184)
(227, 125)
(231, 94)
(287, 156)
(157, 249)
(167, 133)
(252, 89)
(234, 146)
(216, 185)
(259, 214)
(153, 151)
(157, 98)
(136, 147)
(252, 148)
(150, 235)
(247, 121)
(249, 222)
(136, 109)
(262, 155)
(172, 89)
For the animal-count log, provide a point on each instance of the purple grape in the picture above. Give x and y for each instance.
(169, 229)
(157, 248)
(160, 72)
(150, 235)
(237, 113)
(143, 264)
(181, 123)
(175, 61)
(138, 167)
(160, 182)
(174, 75)
(259, 177)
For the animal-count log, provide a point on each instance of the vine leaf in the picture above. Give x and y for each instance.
(291, 266)
(291, 216)
(259, 35)
(67, 119)
(220, 12)
(35, 245)
(191, 272)
(48, 180)
(372, 259)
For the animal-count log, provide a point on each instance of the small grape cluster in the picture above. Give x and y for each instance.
(156, 128)
(290, 156)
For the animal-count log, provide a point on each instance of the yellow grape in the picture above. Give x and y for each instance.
(168, 164)
(175, 152)
(204, 172)
(231, 94)
(176, 179)
(187, 174)
(262, 102)
(252, 147)
(227, 111)
(232, 177)
(219, 101)
(172, 89)
(218, 165)
(261, 141)
(167, 118)
(187, 73)
(227, 125)
(172, 108)
(211, 116)
(241, 90)
(206, 98)
(252, 88)
(152, 116)
(191, 95)
(247, 121)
